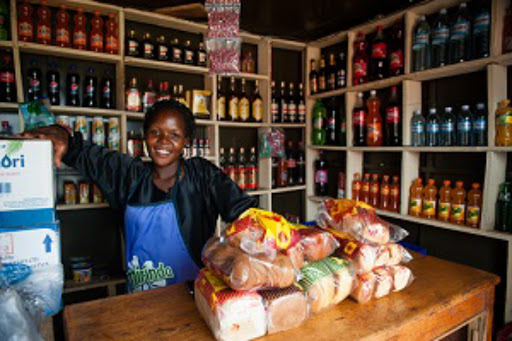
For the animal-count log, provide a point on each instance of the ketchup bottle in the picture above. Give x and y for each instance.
(112, 42)
(80, 34)
(62, 33)
(44, 24)
(96, 43)
(25, 28)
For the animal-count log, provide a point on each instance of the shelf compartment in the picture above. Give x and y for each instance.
(447, 149)
(6, 43)
(168, 66)
(289, 189)
(63, 109)
(163, 21)
(64, 207)
(71, 286)
(66, 52)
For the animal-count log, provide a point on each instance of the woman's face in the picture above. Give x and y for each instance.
(165, 138)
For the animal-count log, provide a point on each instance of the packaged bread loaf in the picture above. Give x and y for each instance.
(317, 244)
(364, 287)
(344, 278)
(361, 255)
(381, 282)
(402, 277)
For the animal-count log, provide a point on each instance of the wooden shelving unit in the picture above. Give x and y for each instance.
(64, 207)
(65, 52)
(168, 66)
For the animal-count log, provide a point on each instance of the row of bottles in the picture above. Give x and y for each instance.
(137, 100)
(452, 39)
(198, 148)
(291, 169)
(329, 125)
(384, 195)
(248, 64)
(77, 93)
(7, 79)
(328, 77)
(241, 169)
(233, 106)
(101, 37)
(447, 204)
(288, 106)
(84, 193)
(162, 50)
(98, 130)
(448, 129)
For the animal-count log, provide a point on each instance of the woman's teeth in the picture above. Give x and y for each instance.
(162, 152)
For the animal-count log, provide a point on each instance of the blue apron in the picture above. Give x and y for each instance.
(155, 251)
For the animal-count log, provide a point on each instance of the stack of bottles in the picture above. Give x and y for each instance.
(241, 169)
(289, 170)
(93, 34)
(448, 204)
(238, 106)
(328, 77)
(329, 124)
(288, 106)
(384, 195)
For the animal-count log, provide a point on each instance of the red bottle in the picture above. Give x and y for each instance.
(62, 33)
(25, 27)
(393, 120)
(396, 50)
(96, 42)
(111, 40)
(379, 55)
(80, 34)
(374, 131)
(360, 60)
(44, 24)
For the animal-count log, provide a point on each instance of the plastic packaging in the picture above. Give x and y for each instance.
(381, 282)
(317, 244)
(364, 288)
(272, 141)
(16, 323)
(361, 255)
(36, 114)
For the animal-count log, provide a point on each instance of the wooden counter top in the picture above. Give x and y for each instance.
(443, 296)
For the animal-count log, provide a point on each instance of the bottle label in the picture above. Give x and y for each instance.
(257, 110)
(274, 110)
(433, 127)
(284, 108)
(291, 163)
(97, 41)
(313, 84)
(251, 177)
(393, 114)
(201, 57)
(396, 60)
(240, 177)
(374, 131)
(360, 68)
(321, 177)
(189, 56)
(415, 206)
(133, 47)
(53, 87)
(420, 40)
(480, 124)
(457, 212)
(35, 84)
(302, 113)
(148, 49)
(341, 193)
(473, 215)
(429, 207)
(6, 77)
(366, 187)
(292, 112)
(162, 52)
(341, 78)
(384, 191)
(232, 173)
(440, 36)
(444, 210)
(149, 99)
(322, 85)
(44, 32)
(26, 30)
(111, 43)
(418, 127)
(374, 188)
(356, 187)
(331, 124)
(332, 81)
(379, 51)
(233, 108)
(62, 35)
(481, 23)
(133, 101)
(448, 127)
(359, 118)
(394, 192)
(464, 126)
(176, 53)
(79, 38)
(318, 123)
(460, 30)
(73, 89)
(243, 109)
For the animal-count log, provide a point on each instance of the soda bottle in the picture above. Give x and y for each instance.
(460, 36)
(365, 189)
(448, 131)
(231, 165)
(464, 127)
(7, 84)
(331, 130)
(445, 201)
(282, 173)
(396, 50)
(481, 29)
(504, 124)
(62, 32)
(321, 178)
(341, 185)
(44, 24)
(111, 37)
(319, 116)
(417, 129)
(394, 195)
(474, 206)
(53, 84)
(251, 171)
(96, 36)
(132, 45)
(283, 106)
(458, 207)
(384, 193)
(80, 33)
(149, 96)
(440, 35)
(393, 120)
(25, 27)
(416, 198)
(301, 105)
(480, 125)
(374, 122)
(4, 20)
(429, 200)
(313, 78)
(356, 187)
(504, 208)
(341, 73)
(379, 55)
(34, 77)
(291, 165)
(359, 121)
(421, 45)
(433, 136)
(375, 191)
(107, 90)
(301, 165)
(361, 60)
(73, 87)
(90, 89)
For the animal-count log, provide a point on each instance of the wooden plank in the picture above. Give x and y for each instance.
(265, 68)
(164, 66)
(120, 67)
(498, 10)
(287, 44)
(64, 207)
(124, 134)
(451, 70)
(249, 76)
(410, 22)
(70, 110)
(250, 38)
(266, 201)
(330, 40)
(350, 57)
(410, 170)
(65, 52)
(71, 286)
(335, 148)
(162, 20)
(505, 59)
(496, 91)
(350, 102)
(411, 100)
(88, 6)
(354, 165)
(447, 149)
(46, 329)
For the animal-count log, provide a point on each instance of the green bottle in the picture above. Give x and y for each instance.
(319, 117)
(4, 22)
(504, 208)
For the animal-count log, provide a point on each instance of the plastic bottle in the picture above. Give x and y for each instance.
(73, 87)
(132, 45)
(319, 117)
(44, 24)
(80, 33)
(416, 198)
(111, 37)
(421, 45)
(465, 127)
(332, 115)
(394, 195)
(385, 193)
(359, 114)
(458, 207)
(96, 36)
(440, 35)
(474, 206)
(62, 32)
(429, 200)
(417, 129)
(365, 189)
(301, 164)
(356, 187)
(504, 124)
(25, 25)
(53, 84)
(374, 135)
(361, 60)
(481, 30)
(34, 77)
(393, 120)
(90, 89)
(433, 135)
(448, 131)
(445, 201)
(107, 90)
(396, 50)
(375, 191)
(321, 176)
(504, 208)
(7, 83)
(379, 55)
(480, 125)
(460, 36)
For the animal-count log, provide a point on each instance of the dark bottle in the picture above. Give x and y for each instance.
(73, 87)
(332, 131)
(448, 128)
(359, 121)
(90, 89)
(321, 177)
(148, 48)
(274, 105)
(360, 60)
(188, 53)
(257, 104)
(162, 49)
(421, 45)
(464, 127)
(322, 76)
(291, 164)
(7, 83)
(201, 55)
(341, 72)
(481, 29)
(132, 45)
(393, 120)
(176, 51)
(221, 101)
(283, 104)
(107, 90)
(292, 105)
(379, 55)
(480, 125)
(34, 81)
(504, 208)
(440, 35)
(433, 133)
(313, 78)
(232, 108)
(342, 128)
(301, 165)
(396, 50)
(53, 84)
(282, 173)
(301, 106)
(460, 36)
(331, 73)
(274, 172)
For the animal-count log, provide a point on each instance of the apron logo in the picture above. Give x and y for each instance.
(147, 277)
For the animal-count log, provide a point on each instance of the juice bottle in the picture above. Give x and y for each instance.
(62, 33)
(458, 211)
(394, 195)
(429, 200)
(80, 33)
(374, 121)
(111, 40)
(356, 187)
(96, 43)
(365, 189)
(504, 123)
(384, 193)
(445, 201)
(25, 27)
(44, 23)
(416, 198)
(374, 191)
(474, 206)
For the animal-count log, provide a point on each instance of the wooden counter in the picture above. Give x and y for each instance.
(443, 297)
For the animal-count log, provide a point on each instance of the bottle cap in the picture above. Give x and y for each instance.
(375, 176)
(417, 112)
(459, 184)
(448, 109)
(475, 185)
(373, 93)
(480, 106)
(443, 11)
(447, 183)
(432, 111)
(465, 107)
(419, 181)
(463, 5)
(431, 181)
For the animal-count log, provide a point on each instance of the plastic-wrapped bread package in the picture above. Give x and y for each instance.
(383, 282)
(361, 255)
(317, 244)
(344, 278)
(287, 308)
(398, 254)
(383, 255)
(402, 277)
(230, 314)
(364, 288)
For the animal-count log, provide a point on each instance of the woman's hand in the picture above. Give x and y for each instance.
(59, 137)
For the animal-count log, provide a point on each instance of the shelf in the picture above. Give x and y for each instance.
(67, 52)
(7, 105)
(317, 199)
(6, 43)
(168, 66)
(447, 149)
(163, 21)
(240, 124)
(140, 116)
(451, 70)
(64, 207)
(250, 76)
(288, 125)
(63, 109)
(289, 189)
(70, 285)
(505, 59)
(333, 148)
(501, 149)
(413, 149)
(260, 191)
(377, 149)
(209, 158)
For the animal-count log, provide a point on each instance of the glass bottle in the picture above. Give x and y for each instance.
(148, 48)
(361, 60)
(148, 97)
(504, 208)
(322, 76)
(133, 101)
(319, 117)
(313, 78)
(221, 101)
(96, 36)
(162, 50)
(90, 89)
(176, 51)
(53, 84)
(244, 108)
(283, 104)
(111, 35)
(7, 83)
(34, 77)
(132, 45)
(292, 105)
(301, 106)
(163, 92)
(274, 105)
(396, 50)
(379, 55)
(107, 90)
(321, 175)
(80, 32)
(73, 87)
(232, 102)
(201, 55)
(341, 73)
(301, 165)
(359, 114)
(257, 105)
(44, 24)
(189, 53)
(62, 31)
